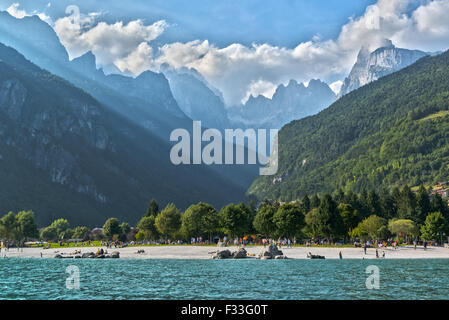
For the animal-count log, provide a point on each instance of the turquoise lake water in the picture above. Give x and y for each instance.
(223, 279)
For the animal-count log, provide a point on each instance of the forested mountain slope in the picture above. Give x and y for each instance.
(390, 132)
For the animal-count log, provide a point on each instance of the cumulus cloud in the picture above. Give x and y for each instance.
(123, 45)
(14, 11)
(260, 87)
(241, 71)
(336, 86)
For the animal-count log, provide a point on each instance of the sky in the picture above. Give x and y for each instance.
(242, 47)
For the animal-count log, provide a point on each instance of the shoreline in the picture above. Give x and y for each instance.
(203, 252)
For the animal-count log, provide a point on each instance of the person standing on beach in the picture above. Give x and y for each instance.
(414, 244)
(364, 247)
(377, 254)
(340, 255)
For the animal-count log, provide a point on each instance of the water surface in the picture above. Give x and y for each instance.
(223, 279)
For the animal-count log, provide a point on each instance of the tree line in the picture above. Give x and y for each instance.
(337, 217)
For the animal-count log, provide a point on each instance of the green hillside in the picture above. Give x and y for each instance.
(391, 132)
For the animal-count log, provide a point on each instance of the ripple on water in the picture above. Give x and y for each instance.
(224, 279)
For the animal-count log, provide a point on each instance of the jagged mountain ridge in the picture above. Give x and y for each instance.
(62, 154)
(371, 66)
(291, 102)
(197, 99)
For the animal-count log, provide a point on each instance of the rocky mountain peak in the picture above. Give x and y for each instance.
(370, 66)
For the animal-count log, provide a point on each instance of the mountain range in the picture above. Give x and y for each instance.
(291, 102)
(388, 133)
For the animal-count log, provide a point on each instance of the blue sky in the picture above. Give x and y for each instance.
(278, 22)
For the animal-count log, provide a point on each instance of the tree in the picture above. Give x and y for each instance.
(339, 196)
(434, 227)
(263, 222)
(407, 204)
(211, 221)
(350, 217)
(438, 204)
(168, 221)
(49, 233)
(330, 223)
(373, 227)
(66, 234)
(373, 203)
(305, 204)
(363, 204)
(153, 208)
(423, 206)
(289, 219)
(315, 201)
(60, 225)
(111, 228)
(147, 228)
(81, 233)
(125, 228)
(9, 226)
(26, 225)
(388, 204)
(313, 227)
(235, 220)
(404, 226)
(200, 219)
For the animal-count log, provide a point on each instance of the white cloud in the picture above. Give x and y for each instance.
(240, 71)
(236, 68)
(260, 87)
(336, 86)
(119, 44)
(14, 11)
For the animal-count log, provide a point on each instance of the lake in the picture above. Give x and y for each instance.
(222, 279)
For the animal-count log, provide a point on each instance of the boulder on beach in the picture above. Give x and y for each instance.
(58, 256)
(87, 255)
(273, 249)
(271, 253)
(115, 255)
(240, 254)
(223, 254)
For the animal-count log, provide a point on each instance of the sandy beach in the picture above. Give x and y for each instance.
(199, 252)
